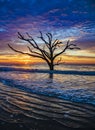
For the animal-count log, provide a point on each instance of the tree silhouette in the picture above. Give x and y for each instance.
(49, 51)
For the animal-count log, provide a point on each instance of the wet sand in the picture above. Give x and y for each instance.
(20, 110)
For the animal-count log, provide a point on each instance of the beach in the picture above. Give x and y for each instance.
(31, 100)
(47, 64)
(26, 111)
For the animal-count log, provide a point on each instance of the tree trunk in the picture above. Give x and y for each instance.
(51, 76)
(51, 66)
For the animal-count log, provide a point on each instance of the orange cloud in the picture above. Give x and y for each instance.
(24, 59)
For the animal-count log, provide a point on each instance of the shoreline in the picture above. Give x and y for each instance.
(70, 72)
(21, 109)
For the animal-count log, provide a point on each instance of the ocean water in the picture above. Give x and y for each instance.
(72, 87)
(31, 99)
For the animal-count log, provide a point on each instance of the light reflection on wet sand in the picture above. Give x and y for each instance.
(19, 106)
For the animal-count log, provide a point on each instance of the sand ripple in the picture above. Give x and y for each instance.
(19, 106)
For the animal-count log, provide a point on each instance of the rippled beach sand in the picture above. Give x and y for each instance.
(31, 100)
(27, 111)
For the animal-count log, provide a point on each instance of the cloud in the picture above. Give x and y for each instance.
(2, 30)
(69, 19)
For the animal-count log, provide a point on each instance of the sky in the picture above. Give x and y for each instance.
(72, 20)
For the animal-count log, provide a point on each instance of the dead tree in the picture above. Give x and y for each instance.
(50, 50)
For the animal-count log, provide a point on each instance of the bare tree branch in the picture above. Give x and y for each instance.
(42, 38)
(49, 35)
(34, 45)
(68, 46)
(47, 52)
(58, 62)
(54, 42)
(24, 52)
(33, 51)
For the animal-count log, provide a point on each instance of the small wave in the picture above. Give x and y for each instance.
(82, 95)
(70, 72)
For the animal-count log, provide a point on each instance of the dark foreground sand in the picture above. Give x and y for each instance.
(48, 125)
(34, 125)
(20, 110)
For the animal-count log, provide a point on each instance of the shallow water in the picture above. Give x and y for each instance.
(27, 96)
(77, 88)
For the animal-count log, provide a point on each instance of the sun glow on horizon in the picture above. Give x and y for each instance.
(67, 59)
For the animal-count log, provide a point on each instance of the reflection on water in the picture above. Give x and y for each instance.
(76, 88)
(26, 96)
(51, 76)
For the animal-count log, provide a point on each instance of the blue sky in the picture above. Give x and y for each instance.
(65, 19)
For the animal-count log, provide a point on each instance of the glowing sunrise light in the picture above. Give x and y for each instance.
(66, 20)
